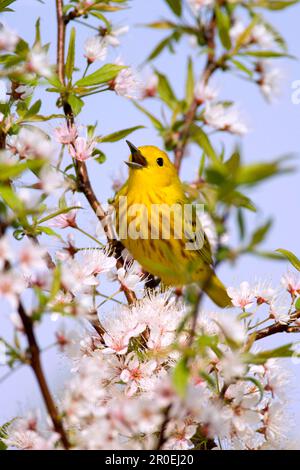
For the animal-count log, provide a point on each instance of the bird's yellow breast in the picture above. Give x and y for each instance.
(150, 225)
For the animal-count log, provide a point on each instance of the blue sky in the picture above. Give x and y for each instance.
(274, 132)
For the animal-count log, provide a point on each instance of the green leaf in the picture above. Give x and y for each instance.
(37, 40)
(5, 3)
(181, 377)
(48, 231)
(223, 24)
(241, 223)
(76, 103)
(55, 282)
(291, 257)
(41, 118)
(175, 6)
(11, 199)
(242, 67)
(238, 199)
(266, 54)
(200, 137)
(165, 91)
(100, 156)
(104, 74)
(160, 47)
(297, 304)
(118, 135)
(156, 123)
(190, 83)
(11, 171)
(276, 4)
(33, 110)
(256, 172)
(286, 350)
(259, 235)
(71, 55)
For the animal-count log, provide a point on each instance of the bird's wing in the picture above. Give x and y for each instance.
(195, 234)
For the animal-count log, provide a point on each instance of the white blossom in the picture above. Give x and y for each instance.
(95, 49)
(243, 296)
(8, 38)
(224, 118)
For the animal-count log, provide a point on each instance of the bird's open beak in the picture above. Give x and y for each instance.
(137, 159)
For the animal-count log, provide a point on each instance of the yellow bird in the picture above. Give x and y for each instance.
(154, 225)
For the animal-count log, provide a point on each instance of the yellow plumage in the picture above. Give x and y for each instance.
(153, 181)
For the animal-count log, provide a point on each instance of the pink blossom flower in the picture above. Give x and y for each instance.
(11, 286)
(38, 62)
(120, 326)
(130, 276)
(291, 282)
(135, 374)
(126, 83)
(98, 261)
(243, 296)
(66, 134)
(95, 49)
(68, 219)
(32, 256)
(82, 149)
(181, 435)
(8, 39)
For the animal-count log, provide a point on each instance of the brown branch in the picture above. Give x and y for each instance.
(35, 363)
(277, 328)
(83, 180)
(162, 433)
(61, 35)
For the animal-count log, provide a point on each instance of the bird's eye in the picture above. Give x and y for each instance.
(160, 161)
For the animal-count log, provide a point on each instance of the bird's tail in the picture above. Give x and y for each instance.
(217, 291)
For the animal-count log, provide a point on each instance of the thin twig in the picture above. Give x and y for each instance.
(277, 328)
(35, 363)
(84, 183)
(162, 433)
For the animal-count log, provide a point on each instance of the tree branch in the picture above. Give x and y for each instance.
(277, 328)
(83, 180)
(35, 363)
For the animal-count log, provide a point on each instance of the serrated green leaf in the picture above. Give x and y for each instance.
(291, 257)
(104, 74)
(71, 55)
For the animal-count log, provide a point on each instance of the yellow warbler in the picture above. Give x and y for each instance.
(154, 225)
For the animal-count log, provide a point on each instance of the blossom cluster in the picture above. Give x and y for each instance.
(128, 379)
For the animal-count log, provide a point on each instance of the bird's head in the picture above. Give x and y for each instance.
(150, 164)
